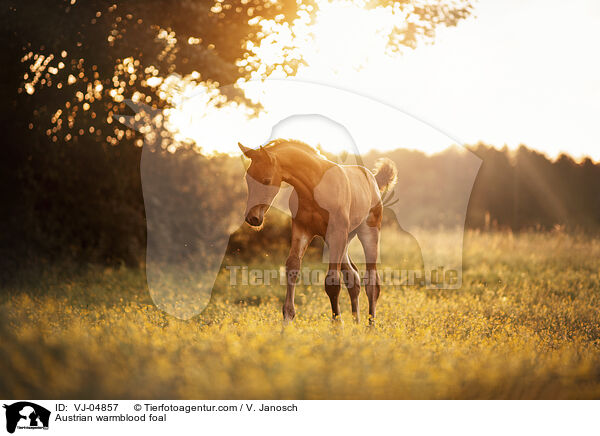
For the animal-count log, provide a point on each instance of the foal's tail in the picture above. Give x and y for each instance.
(386, 173)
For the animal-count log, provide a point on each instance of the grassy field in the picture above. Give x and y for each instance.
(524, 325)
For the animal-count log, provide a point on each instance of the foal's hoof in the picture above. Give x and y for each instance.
(288, 318)
(287, 324)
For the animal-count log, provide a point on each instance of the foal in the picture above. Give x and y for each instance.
(336, 202)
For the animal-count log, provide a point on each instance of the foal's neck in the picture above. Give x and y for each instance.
(302, 169)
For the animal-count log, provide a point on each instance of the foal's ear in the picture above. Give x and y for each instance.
(248, 152)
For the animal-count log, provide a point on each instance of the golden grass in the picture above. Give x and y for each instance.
(525, 325)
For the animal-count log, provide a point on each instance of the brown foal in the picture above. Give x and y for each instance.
(335, 202)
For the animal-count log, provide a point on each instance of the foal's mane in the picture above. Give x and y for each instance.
(281, 142)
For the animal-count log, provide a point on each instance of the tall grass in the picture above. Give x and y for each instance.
(524, 325)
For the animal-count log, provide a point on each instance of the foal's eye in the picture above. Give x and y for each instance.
(267, 182)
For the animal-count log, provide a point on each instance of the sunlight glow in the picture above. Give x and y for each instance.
(343, 37)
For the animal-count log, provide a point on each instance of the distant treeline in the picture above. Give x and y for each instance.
(524, 189)
(517, 190)
(84, 200)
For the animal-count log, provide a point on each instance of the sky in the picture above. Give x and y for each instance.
(518, 72)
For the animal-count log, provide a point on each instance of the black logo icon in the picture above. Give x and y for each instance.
(26, 415)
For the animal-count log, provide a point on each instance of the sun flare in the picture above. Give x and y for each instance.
(338, 38)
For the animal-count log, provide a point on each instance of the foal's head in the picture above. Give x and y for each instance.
(264, 180)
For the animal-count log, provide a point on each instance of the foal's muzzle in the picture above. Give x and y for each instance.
(254, 221)
(255, 216)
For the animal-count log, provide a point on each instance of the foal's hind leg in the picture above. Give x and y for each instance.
(352, 281)
(369, 238)
(337, 241)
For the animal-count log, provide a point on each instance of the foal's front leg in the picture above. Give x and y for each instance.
(300, 240)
